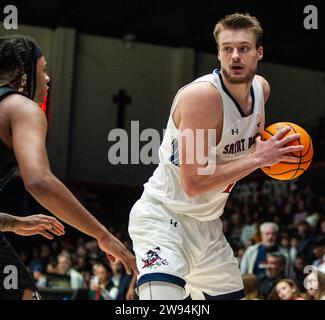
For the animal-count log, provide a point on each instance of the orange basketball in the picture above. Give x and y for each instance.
(287, 170)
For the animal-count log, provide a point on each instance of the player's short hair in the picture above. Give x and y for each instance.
(18, 59)
(267, 225)
(238, 21)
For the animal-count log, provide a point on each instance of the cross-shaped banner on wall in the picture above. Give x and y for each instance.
(121, 99)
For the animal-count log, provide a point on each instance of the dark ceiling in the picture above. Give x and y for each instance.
(188, 23)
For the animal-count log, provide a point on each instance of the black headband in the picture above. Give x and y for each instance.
(38, 52)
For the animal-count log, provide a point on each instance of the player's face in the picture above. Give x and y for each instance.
(42, 80)
(284, 291)
(238, 55)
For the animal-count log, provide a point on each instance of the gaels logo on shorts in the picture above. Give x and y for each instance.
(153, 259)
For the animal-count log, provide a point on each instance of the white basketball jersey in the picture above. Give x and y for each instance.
(237, 140)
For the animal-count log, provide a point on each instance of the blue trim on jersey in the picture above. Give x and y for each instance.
(237, 295)
(159, 276)
(224, 88)
(174, 158)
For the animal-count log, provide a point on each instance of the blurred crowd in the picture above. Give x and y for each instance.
(280, 245)
(79, 264)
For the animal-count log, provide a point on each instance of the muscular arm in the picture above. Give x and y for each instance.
(29, 126)
(7, 222)
(200, 107)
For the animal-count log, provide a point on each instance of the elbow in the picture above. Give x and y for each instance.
(37, 185)
(190, 187)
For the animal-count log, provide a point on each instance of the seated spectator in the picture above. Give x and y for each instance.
(275, 264)
(235, 229)
(248, 231)
(319, 252)
(302, 213)
(101, 286)
(64, 267)
(299, 272)
(36, 261)
(306, 239)
(315, 285)
(320, 229)
(121, 280)
(51, 265)
(251, 287)
(291, 252)
(239, 251)
(254, 258)
(39, 277)
(286, 289)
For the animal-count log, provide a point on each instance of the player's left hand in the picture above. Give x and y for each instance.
(38, 224)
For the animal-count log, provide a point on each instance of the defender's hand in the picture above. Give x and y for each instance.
(115, 250)
(38, 224)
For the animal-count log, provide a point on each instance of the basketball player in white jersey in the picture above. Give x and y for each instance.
(175, 226)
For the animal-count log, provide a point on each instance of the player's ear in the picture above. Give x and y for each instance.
(218, 52)
(260, 52)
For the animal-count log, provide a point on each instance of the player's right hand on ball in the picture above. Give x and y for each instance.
(272, 151)
(115, 250)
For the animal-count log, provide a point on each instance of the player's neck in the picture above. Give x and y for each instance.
(242, 94)
(239, 91)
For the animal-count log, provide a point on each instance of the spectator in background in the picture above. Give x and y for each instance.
(45, 253)
(254, 259)
(291, 252)
(315, 285)
(275, 264)
(319, 252)
(251, 287)
(101, 286)
(306, 240)
(287, 214)
(286, 289)
(301, 213)
(299, 272)
(51, 265)
(64, 267)
(248, 231)
(36, 261)
(39, 277)
(320, 229)
(120, 280)
(239, 251)
(235, 229)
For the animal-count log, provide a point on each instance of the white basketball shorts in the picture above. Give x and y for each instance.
(185, 251)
